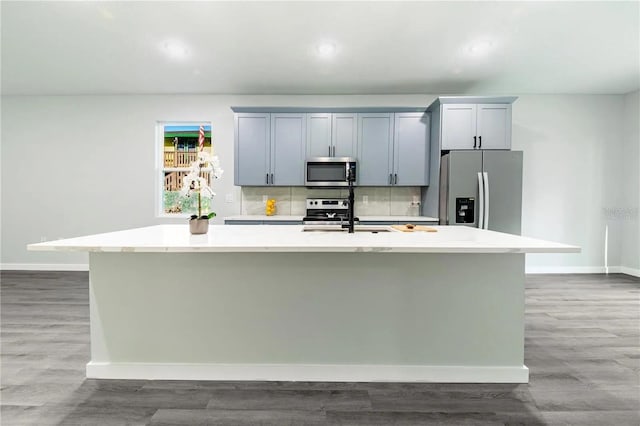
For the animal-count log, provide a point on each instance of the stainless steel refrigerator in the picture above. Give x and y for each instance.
(482, 189)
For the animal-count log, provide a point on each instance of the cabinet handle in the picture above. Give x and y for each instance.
(474, 142)
(480, 138)
(271, 178)
(334, 151)
(396, 179)
(267, 179)
(390, 179)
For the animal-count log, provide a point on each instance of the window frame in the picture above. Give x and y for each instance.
(160, 169)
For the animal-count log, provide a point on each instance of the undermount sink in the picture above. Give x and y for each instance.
(337, 228)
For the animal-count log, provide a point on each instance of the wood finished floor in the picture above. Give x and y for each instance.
(582, 349)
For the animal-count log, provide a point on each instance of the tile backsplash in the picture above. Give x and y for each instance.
(382, 201)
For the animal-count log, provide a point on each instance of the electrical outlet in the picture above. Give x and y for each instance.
(228, 198)
(43, 239)
(264, 199)
(365, 199)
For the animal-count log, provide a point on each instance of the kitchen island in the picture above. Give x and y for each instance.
(274, 302)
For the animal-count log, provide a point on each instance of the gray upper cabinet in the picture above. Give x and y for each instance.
(393, 149)
(476, 126)
(391, 145)
(458, 126)
(344, 134)
(375, 149)
(319, 135)
(252, 148)
(411, 149)
(494, 126)
(331, 135)
(288, 134)
(269, 149)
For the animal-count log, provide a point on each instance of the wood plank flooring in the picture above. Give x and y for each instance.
(582, 349)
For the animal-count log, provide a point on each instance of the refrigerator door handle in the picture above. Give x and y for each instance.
(486, 200)
(480, 209)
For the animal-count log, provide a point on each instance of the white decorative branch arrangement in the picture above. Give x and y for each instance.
(195, 184)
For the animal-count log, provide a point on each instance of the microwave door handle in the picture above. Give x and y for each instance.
(480, 208)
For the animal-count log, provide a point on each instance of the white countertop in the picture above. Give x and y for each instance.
(264, 217)
(290, 238)
(275, 218)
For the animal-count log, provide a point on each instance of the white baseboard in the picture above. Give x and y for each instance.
(308, 372)
(629, 271)
(565, 269)
(528, 269)
(582, 270)
(44, 266)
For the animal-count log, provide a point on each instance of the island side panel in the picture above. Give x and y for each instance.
(378, 316)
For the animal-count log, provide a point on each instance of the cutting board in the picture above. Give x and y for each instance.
(416, 228)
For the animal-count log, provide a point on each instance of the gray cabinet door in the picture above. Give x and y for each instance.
(375, 149)
(319, 135)
(504, 170)
(458, 126)
(288, 136)
(494, 126)
(252, 148)
(344, 131)
(411, 149)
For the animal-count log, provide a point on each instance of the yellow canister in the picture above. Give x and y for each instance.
(270, 207)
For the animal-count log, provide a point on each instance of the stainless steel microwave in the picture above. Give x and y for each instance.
(329, 171)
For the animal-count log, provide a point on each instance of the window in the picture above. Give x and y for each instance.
(179, 145)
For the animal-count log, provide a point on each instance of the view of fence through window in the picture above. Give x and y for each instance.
(179, 150)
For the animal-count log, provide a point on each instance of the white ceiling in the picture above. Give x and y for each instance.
(270, 47)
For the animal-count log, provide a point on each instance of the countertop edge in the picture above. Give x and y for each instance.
(289, 239)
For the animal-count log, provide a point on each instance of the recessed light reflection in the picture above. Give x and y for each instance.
(175, 49)
(479, 47)
(326, 49)
(106, 14)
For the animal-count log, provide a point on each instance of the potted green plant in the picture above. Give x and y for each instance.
(196, 184)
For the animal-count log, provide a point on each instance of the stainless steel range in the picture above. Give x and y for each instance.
(328, 211)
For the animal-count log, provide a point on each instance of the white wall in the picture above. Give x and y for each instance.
(572, 176)
(630, 201)
(85, 164)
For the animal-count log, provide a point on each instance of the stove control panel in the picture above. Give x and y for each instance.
(327, 203)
